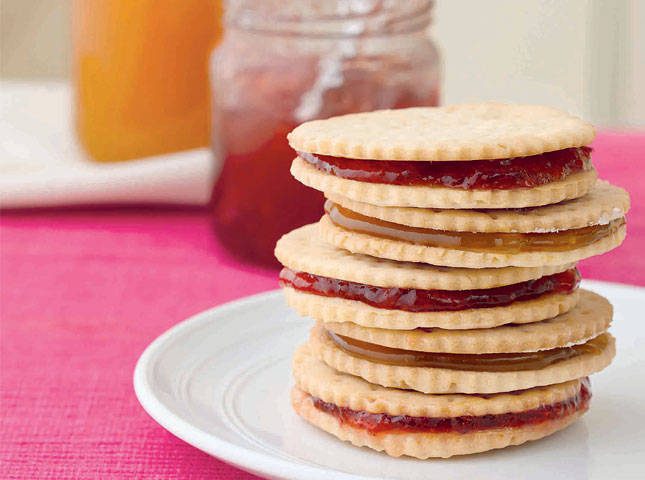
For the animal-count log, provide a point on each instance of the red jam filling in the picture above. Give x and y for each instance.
(499, 174)
(376, 423)
(417, 300)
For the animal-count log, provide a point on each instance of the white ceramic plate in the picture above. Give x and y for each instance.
(220, 381)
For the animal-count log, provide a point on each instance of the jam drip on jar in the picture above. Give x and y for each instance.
(499, 174)
(417, 300)
(376, 423)
(501, 242)
(483, 362)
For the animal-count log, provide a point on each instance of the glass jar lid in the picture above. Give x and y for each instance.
(329, 18)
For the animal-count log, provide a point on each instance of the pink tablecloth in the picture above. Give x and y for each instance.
(84, 292)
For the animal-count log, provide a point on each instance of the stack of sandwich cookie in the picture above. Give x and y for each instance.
(443, 276)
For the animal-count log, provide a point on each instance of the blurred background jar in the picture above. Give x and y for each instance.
(140, 75)
(284, 62)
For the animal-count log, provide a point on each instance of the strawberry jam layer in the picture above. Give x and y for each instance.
(418, 300)
(483, 362)
(500, 174)
(376, 423)
(501, 242)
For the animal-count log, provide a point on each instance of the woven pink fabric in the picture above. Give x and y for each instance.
(84, 292)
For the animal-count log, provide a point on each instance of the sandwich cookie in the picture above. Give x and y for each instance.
(589, 319)
(401, 422)
(550, 235)
(463, 156)
(475, 361)
(333, 285)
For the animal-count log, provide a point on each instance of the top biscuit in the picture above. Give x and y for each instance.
(458, 132)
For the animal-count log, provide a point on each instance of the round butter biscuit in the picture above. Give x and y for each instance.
(329, 309)
(444, 380)
(320, 380)
(591, 317)
(450, 133)
(601, 205)
(399, 250)
(304, 250)
(421, 196)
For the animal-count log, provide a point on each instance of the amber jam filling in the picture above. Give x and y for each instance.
(382, 422)
(484, 362)
(499, 174)
(473, 241)
(417, 300)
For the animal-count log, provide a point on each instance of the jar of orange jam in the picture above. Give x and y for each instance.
(140, 75)
(284, 62)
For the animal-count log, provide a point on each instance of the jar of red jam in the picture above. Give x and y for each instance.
(284, 62)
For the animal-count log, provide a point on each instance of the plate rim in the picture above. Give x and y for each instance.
(238, 456)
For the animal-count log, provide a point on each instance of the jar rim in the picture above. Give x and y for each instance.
(319, 18)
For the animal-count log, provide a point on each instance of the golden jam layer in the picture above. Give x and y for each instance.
(486, 362)
(472, 241)
(376, 423)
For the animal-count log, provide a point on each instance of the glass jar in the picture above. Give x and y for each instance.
(284, 62)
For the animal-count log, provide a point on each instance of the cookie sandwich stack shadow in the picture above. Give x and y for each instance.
(442, 277)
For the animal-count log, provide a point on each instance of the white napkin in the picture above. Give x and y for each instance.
(41, 163)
